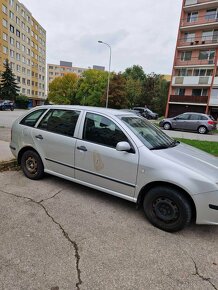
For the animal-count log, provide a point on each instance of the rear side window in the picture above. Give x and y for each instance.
(60, 121)
(31, 119)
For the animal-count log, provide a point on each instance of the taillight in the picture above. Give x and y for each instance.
(211, 122)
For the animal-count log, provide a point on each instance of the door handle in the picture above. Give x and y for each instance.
(82, 148)
(39, 137)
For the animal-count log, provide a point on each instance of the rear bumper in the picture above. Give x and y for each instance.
(207, 208)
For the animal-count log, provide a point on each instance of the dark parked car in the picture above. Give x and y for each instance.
(6, 105)
(146, 113)
(201, 123)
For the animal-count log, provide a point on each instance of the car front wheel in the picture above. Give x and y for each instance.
(167, 126)
(167, 208)
(32, 165)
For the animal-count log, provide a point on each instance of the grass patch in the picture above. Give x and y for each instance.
(207, 146)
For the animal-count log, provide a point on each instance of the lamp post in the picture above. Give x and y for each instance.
(109, 70)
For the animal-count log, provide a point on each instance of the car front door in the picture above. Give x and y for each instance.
(180, 122)
(97, 161)
(55, 142)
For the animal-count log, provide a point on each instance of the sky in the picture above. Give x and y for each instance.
(140, 32)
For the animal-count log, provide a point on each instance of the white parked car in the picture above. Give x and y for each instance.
(121, 154)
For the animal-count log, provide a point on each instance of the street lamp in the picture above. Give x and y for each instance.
(109, 70)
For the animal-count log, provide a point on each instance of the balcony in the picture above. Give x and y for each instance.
(189, 81)
(194, 23)
(194, 61)
(198, 42)
(189, 99)
(191, 5)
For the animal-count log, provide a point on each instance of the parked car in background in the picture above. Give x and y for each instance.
(6, 105)
(146, 113)
(122, 154)
(201, 123)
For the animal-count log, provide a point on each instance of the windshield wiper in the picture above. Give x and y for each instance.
(173, 144)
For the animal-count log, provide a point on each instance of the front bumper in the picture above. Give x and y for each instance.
(206, 208)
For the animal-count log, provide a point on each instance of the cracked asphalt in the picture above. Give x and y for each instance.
(58, 235)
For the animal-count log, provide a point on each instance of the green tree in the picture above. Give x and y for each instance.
(62, 90)
(92, 87)
(117, 98)
(133, 91)
(135, 72)
(9, 88)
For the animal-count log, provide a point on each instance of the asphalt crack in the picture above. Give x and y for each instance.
(65, 234)
(201, 276)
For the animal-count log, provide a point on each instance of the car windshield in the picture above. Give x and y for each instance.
(151, 136)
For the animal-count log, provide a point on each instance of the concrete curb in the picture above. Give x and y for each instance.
(9, 165)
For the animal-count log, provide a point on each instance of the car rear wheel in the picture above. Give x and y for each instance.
(167, 126)
(202, 130)
(167, 208)
(32, 165)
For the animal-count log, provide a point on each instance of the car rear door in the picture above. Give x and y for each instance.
(97, 161)
(55, 142)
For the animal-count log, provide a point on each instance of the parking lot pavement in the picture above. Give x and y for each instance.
(8, 117)
(55, 234)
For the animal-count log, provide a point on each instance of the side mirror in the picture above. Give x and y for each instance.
(123, 146)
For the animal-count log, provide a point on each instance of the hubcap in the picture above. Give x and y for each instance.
(31, 165)
(202, 130)
(165, 209)
(167, 126)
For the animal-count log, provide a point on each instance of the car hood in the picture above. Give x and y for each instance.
(192, 158)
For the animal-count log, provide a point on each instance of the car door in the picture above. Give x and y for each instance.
(55, 142)
(180, 122)
(97, 161)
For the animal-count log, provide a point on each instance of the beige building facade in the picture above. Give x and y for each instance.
(23, 43)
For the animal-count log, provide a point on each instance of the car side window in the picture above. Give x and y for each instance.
(195, 117)
(31, 119)
(60, 121)
(101, 130)
(183, 117)
(203, 118)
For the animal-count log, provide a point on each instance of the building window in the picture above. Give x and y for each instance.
(18, 67)
(199, 92)
(11, 53)
(18, 45)
(5, 36)
(189, 37)
(211, 14)
(18, 79)
(17, 33)
(206, 54)
(11, 2)
(180, 92)
(18, 20)
(11, 14)
(4, 23)
(11, 40)
(186, 55)
(5, 50)
(4, 9)
(12, 28)
(203, 72)
(192, 17)
(18, 56)
(17, 7)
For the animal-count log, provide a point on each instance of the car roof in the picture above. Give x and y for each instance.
(195, 113)
(114, 112)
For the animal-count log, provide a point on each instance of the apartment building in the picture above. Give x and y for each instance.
(65, 67)
(23, 43)
(194, 82)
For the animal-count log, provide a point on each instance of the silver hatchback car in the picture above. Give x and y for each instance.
(201, 123)
(121, 154)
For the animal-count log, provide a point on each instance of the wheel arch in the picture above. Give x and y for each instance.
(24, 149)
(148, 186)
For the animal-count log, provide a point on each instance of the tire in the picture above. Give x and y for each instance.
(167, 208)
(12, 108)
(32, 165)
(167, 126)
(202, 130)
